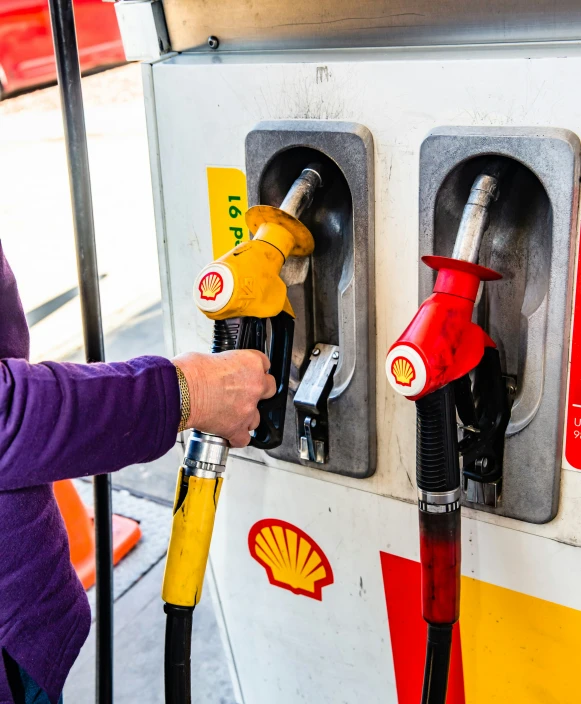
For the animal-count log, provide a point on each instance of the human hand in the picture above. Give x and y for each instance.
(225, 389)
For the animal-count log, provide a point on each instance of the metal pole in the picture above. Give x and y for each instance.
(69, 79)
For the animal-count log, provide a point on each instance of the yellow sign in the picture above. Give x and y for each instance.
(228, 205)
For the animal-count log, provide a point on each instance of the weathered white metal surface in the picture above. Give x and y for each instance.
(291, 649)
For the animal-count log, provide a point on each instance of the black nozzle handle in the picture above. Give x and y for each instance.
(437, 463)
(250, 334)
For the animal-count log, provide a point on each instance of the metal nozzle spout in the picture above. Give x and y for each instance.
(475, 218)
(300, 195)
(476, 215)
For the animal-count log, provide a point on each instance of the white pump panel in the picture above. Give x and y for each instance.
(287, 647)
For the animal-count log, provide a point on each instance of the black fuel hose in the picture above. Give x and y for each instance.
(438, 479)
(178, 651)
(439, 645)
(178, 625)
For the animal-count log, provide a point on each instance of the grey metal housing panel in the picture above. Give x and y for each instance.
(533, 452)
(351, 405)
(276, 24)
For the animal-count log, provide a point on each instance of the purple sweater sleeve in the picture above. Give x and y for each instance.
(59, 421)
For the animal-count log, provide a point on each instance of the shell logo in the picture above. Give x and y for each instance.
(214, 287)
(406, 370)
(403, 371)
(211, 285)
(291, 558)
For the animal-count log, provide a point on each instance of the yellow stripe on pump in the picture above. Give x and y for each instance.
(189, 544)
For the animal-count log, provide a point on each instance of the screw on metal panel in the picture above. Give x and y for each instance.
(511, 386)
(335, 355)
(316, 352)
(213, 42)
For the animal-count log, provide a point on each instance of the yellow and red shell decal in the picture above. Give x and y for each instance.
(403, 371)
(211, 285)
(508, 647)
(291, 558)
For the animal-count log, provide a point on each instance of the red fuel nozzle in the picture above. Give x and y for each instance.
(441, 344)
(438, 479)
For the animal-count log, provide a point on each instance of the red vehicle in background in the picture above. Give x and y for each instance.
(26, 51)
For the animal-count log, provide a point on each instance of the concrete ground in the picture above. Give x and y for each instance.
(37, 236)
(139, 631)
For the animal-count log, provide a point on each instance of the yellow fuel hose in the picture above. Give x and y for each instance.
(191, 533)
(197, 493)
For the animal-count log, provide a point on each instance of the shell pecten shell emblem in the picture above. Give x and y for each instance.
(406, 370)
(214, 287)
(211, 285)
(291, 558)
(403, 371)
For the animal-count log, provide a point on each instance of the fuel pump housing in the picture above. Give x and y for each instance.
(347, 637)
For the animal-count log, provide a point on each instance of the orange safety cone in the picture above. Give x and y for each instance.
(78, 520)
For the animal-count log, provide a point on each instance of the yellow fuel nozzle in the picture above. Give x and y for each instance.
(243, 283)
(246, 281)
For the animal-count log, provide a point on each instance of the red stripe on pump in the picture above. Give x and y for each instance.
(401, 581)
(573, 430)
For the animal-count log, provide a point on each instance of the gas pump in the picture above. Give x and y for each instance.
(240, 292)
(431, 363)
(400, 109)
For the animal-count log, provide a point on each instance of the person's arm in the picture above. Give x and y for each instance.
(59, 421)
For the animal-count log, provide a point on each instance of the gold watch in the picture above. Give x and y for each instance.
(185, 403)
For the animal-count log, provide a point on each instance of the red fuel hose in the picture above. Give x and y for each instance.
(438, 479)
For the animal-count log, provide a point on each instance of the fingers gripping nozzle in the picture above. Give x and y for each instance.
(246, 281)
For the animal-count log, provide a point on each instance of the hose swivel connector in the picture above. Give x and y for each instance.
(205, 456)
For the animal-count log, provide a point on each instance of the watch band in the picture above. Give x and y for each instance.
(184, 399)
